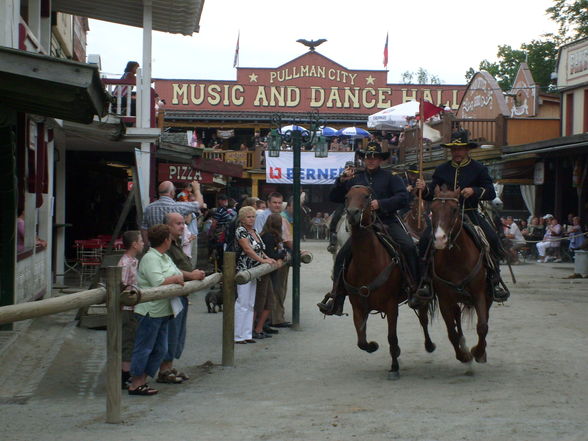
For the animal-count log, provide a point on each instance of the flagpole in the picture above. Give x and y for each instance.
(421, 149)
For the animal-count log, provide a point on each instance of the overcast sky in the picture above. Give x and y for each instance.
(444, 37)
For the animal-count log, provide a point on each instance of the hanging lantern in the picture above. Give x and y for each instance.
(274, 143)
(321, 148)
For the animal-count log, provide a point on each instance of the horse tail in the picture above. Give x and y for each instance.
(468, 314)
(432, 307)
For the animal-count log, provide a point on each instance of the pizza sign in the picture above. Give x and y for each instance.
(183, 173)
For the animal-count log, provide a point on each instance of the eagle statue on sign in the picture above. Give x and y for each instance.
(312, 44)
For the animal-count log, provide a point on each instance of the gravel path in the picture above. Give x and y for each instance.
(315, 384)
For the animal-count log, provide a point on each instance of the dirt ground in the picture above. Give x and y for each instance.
(315, 384)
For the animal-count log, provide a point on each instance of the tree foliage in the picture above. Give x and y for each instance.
(572, 18)
(422, 77)
(540, 54)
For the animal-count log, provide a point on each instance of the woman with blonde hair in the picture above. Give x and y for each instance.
(250, 254)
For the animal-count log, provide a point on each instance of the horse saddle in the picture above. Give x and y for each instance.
(477, 234)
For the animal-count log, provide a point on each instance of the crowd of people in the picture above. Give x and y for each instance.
(544, 237)
(154, 332)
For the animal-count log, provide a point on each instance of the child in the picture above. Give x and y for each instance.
(133, 243)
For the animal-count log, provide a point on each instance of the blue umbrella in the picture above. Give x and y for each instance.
(291, 128)
(328, 131)
(354, 132)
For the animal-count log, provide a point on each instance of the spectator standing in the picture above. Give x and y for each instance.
(251, 254)
(155, 212)
(155, 269)
(177, 324)
(265, 296)
(133, 244)
(274, 202)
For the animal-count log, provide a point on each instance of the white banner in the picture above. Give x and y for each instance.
(313, 170)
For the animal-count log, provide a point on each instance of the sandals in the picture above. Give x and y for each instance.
(181, 375)
(168, 377)
(144, 390)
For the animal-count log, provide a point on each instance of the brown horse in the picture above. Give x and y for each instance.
(411, 219)
(373, 278)
(458, 274)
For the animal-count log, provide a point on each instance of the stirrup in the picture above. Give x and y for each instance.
(499, 294)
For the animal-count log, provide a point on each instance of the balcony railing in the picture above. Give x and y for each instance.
(247, 159)
(125, 101)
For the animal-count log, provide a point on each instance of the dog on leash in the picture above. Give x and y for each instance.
(214, 301)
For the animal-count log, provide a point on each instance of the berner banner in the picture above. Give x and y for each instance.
(313, 170)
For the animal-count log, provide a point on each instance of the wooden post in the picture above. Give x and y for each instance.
(113, 344)
(229, 270)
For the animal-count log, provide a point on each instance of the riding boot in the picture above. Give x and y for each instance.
(332, 305)
(424, 293)
(332, 247)
(500, 292)
(333, 302)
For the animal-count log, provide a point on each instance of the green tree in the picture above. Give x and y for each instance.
(540, 55)
(422, 77)
(572, 18)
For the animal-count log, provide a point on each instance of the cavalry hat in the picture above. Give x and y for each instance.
(373, 149)
(459, 138)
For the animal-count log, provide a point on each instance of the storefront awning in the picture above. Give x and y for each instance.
(49, 86)
(175, 17)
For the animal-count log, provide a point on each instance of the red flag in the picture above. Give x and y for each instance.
(386, 51)
(430, 110)
(236, 59)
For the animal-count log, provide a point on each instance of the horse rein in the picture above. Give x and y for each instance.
(450, 237)
(372, 212)
(459, 287)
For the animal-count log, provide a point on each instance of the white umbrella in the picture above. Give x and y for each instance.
(354, 132)
(395, 117)
(291, 128)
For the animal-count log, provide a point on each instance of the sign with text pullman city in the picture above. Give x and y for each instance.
(307, 83)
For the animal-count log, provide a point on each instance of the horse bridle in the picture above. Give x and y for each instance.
(369, 201)
(450, 237)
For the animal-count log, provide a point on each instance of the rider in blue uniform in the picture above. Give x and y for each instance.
(476, 185)
(389, 196)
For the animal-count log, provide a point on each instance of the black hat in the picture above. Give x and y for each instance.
(412, 168)
(373, 149)
(459, 138)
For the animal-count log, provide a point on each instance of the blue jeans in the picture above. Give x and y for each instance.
(177, 333)
(150, 345)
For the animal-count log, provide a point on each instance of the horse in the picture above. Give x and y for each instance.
(411, 219)
(373, 278)
(343, 233)
(459, 275)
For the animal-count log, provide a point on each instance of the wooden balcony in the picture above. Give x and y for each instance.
(247, 159)
(491, 134)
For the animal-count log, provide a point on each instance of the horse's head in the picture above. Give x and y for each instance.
(445, 216)
(358, 205)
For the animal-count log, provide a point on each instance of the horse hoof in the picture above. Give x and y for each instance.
(372, 346)
(430, 346)
(469, 369)
(482, 358)
(393, 375)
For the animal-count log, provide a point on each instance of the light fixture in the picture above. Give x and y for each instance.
(274, 143)
(321, 147)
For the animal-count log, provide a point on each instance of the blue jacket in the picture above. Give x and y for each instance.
(389, 190)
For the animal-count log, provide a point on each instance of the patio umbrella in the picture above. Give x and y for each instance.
(291, 128)
(328, 131)
(354, 132)
(396, 117)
